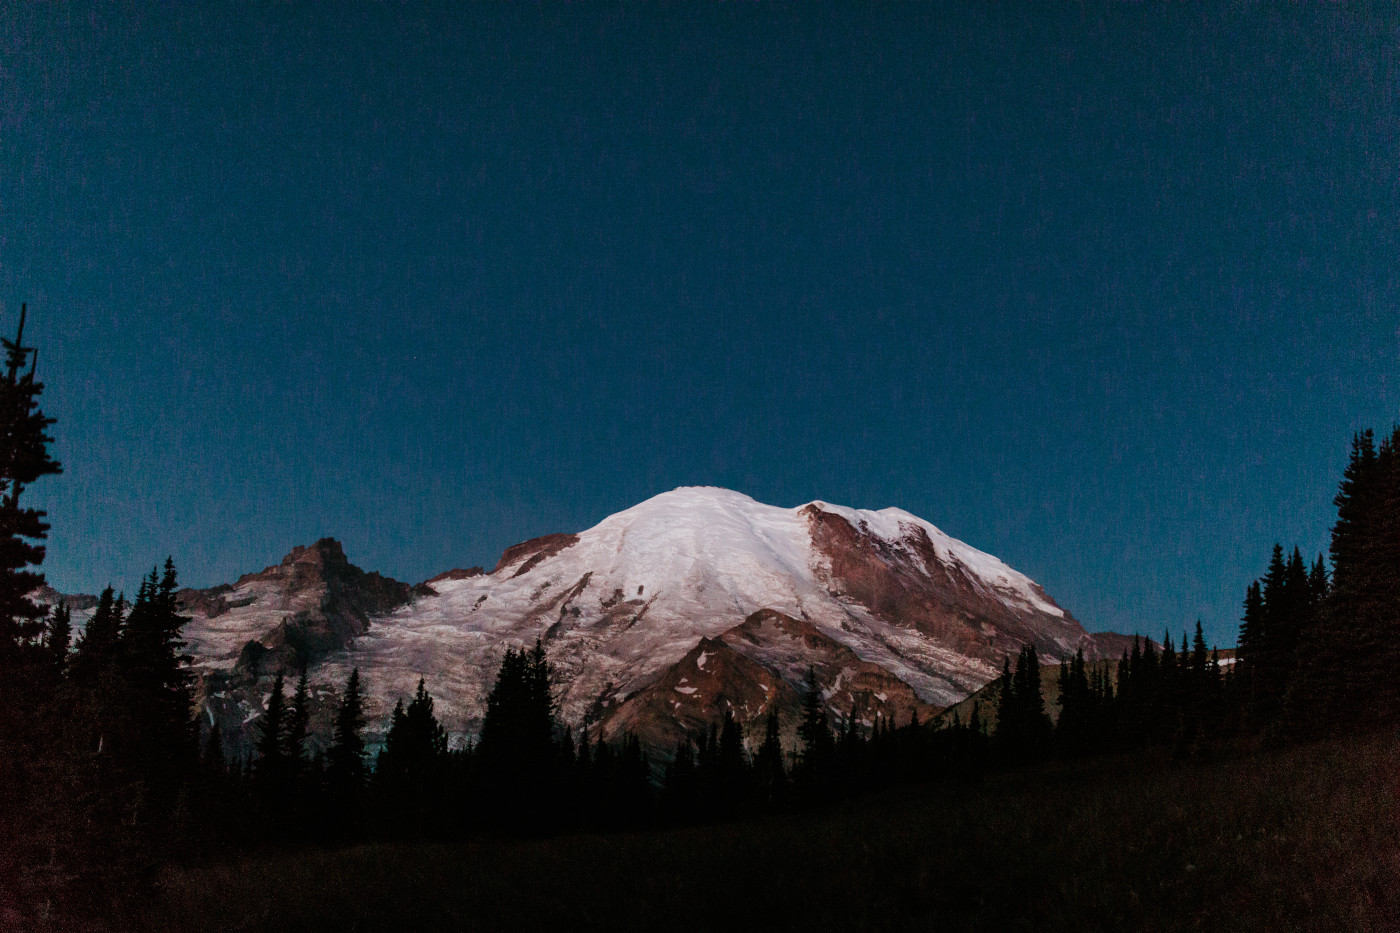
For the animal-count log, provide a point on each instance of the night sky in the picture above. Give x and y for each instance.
(1101, 290)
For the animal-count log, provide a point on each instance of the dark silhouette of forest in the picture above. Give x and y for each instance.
(105, 773)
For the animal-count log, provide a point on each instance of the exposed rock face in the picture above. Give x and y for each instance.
(695, 691)
(76, 602)
(455, 574)
(908, 581)
(1111, 645)
(767, 662)
(892, 617)
(312, 603)
(526, 555)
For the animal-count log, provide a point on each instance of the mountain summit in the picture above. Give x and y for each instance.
(657, 619)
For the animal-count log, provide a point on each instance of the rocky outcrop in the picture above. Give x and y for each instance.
(1109, 645)
(694, 693)
(529, 554)
(768, 662)
(312, 603)
(908, 583)
(75, 602)
(455, 574)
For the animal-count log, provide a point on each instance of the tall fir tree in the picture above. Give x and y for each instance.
(814, 731)
(28, 680)
(1250, 654)
(1075, 729)
(733, 763)
(517, 750)
(415, 748)
(298, 723)
(1344, 673)
(678, 786)
(1006, 703)
(24, 459)
(59, 639)
(770, 777)
(270, 767)
(345, 760)
(159, 687)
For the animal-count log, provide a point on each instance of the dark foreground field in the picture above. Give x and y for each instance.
(1298, 839)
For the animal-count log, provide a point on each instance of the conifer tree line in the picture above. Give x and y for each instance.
(1320, 652)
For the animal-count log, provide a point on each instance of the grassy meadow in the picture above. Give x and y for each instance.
(1303, 838)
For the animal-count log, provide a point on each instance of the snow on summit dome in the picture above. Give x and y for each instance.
(714, 521)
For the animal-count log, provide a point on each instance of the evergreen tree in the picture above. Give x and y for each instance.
(345, 761)
(1282, 603)
(1194, 693)
(97, 707)
(517, 747)
(1074, 732)
(271, 768)
(1319, 581)
(387, 763)
(630, 794)
(678, 787)
(708, 774)
(1023, 728)
(427, 745)
(1378, 677)
(1167, 707)
(733, 763)
(59, 641)
(1006, 704)
(32, 821)
(1343, 672)
(213, 760)
(770, 777)
(1038, 728)
(814, 732)
(298, 721)
(411, 768)
(584, 758)
(1251, 653)
(158, 684)
(97, 645)
(24, 459)
(1199, 658)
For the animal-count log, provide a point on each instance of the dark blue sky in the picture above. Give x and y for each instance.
(1101, 290)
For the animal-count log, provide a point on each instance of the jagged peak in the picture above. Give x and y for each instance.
(327, 550)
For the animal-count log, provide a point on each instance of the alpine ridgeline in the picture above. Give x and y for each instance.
(657, 620)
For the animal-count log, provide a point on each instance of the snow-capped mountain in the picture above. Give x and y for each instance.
(657, 619)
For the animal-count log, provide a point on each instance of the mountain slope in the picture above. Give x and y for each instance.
(872, 602)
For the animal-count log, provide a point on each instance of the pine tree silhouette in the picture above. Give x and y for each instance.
(59, 640)
(818, 744)
(271, 768)
(31, 830)
(24, 459)
(770, 777)
(298, 721)
(345, 760)
(517, 750)
(678, 786)
(164, 745)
